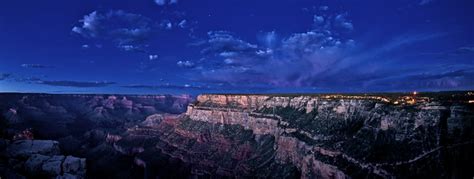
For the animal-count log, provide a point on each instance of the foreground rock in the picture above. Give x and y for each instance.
(26, 148)
(41, 158)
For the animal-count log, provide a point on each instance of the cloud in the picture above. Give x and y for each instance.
(28, 80)
(465, 50)
(182, 24)
(425, 2)
(279, 62)
(454, 52)
(318, 19)
(35, 66)
(223, 41)
(79, 84)
(165, 86)
(185, 64)
(132, 48)
(165, 2)
(166, 24)
(221, 86)
(439, 78)
(268, 39)
(152, 57)
(223, 48)
(121, 28)
(324, 57)
(342, 22)
(4, 76)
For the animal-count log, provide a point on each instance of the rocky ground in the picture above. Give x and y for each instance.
(40, 159)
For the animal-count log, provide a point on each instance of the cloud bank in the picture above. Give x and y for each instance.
(35, 66)
(126, 31)
(78, 84)
(4, 76)
(324, 57)
(165, 2)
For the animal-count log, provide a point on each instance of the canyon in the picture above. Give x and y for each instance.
(395, 135)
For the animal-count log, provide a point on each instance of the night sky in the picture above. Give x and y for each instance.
(238, 46)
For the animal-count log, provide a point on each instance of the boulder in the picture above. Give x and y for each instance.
(153, 120)
(52, 166)
(35, 162)
(74, 165)
(68, 176)
(26, 148)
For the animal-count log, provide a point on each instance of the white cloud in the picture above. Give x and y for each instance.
(341, 21)
(153, 57)
(165, 2)
(185, 64)
(160, 2)
(268, 39)
(166, 24)
(123, 29)
(182, 24)
(318, 19)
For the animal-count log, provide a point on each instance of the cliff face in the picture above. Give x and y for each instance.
(341, 138)
(85, 126)
(251, 136)
(61, 115)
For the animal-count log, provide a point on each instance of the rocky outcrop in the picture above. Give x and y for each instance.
(41, 158)
(55, 166)
(56, 116)
(348, 136)
(26, 148)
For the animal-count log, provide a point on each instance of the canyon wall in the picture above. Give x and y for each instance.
(53, 116)
(245, 136)
(81, 125)
(349, 137)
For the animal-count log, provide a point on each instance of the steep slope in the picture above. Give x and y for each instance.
(256, 136)
(53, 116)
(82, 125)
(350, 136)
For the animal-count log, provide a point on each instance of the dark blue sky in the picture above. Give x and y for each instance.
(194, 46)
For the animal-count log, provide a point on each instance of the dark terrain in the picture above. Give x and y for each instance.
(390, 135)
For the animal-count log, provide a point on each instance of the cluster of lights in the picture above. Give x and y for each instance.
(356, 97)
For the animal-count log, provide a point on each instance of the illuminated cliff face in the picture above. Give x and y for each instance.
(324, 136)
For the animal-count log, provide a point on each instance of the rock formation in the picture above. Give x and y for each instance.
(53, 116)
(42, 159)
(253, 136)
(342, 138)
